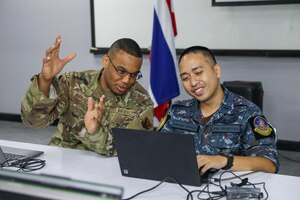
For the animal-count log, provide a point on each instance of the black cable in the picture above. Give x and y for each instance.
(213, 195)
(234, 177)
(164, 180)
(264, 187)
(244, 182)
(26, 166)
(190, 194)
(32, 165)
(4, 164)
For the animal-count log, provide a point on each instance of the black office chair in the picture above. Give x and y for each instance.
(251, 90)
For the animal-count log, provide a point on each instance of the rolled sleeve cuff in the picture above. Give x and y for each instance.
(37, 96)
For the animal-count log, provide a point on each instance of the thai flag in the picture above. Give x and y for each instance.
(163, 78)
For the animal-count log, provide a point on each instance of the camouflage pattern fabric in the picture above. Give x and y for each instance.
(132, 110)
(228, 131)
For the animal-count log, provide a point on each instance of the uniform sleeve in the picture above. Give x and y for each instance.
(102, 141)
(145, 119)
(39, 111)
(260, 141)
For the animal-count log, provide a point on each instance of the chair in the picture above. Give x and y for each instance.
(251, 90)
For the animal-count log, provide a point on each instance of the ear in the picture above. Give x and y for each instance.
(105, 61)
(218, 70)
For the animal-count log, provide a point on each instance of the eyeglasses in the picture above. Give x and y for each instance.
(123, 72)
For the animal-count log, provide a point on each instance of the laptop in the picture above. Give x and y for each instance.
(157, 155)
(10, 155)
(29, 186)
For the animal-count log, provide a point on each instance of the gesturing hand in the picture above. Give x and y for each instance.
(52, 64)
(94, 114)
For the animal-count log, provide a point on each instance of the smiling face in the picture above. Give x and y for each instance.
(120, 70)
(201, 78)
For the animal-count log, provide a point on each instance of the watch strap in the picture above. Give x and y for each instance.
(229, 163)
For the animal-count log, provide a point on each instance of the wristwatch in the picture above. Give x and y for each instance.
(229, 163)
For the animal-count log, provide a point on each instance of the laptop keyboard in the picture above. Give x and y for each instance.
(10, 156)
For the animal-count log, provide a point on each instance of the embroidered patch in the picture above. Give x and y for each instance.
(146, 123)
(261, 127)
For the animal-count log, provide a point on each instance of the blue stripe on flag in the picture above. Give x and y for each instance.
(163, 77)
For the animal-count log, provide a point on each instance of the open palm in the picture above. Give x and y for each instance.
(52, 64)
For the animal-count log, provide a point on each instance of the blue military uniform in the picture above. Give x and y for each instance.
(238, 127)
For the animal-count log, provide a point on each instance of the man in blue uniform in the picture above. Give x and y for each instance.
(230, 131)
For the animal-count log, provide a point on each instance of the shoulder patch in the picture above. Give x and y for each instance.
(147, 124)
(261, 127)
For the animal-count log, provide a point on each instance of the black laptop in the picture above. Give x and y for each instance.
(11, 155)
(157, 155)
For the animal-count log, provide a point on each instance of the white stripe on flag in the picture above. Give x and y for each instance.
(164, 17)
(152, 96)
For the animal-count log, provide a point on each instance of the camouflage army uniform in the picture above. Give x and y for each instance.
(69, 104)
(229, 131)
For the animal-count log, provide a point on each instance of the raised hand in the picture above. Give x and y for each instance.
(94, 114)
(52, 65)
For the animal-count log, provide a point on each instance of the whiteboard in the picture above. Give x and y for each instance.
(263, 27)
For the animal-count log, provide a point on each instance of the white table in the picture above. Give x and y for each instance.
(92, 167)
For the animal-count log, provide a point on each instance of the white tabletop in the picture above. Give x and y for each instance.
(92, 167)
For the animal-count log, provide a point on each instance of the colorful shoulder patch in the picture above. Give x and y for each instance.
(261, 127)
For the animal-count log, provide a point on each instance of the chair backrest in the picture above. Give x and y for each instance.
(251, 90)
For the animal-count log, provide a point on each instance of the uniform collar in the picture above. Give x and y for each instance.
(227, 103)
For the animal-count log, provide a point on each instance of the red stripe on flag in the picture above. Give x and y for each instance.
(161, 110)
(172, 16)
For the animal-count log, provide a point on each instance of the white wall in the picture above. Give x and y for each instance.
(29, 27)
(225, 29)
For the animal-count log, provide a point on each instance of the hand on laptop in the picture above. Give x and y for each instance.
(206, 163)
(94, 114)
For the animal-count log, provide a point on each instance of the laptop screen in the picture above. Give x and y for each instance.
(26, 186)
(157, 155)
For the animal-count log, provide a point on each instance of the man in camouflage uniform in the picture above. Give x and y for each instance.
(230, 131)
(88, 104)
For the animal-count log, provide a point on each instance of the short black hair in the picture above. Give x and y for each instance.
(200, 49)
(128, 45)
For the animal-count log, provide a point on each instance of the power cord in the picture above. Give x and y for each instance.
(161, 182)
(26, 166)
(244, 182)
(214, 195)
(234, 177)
